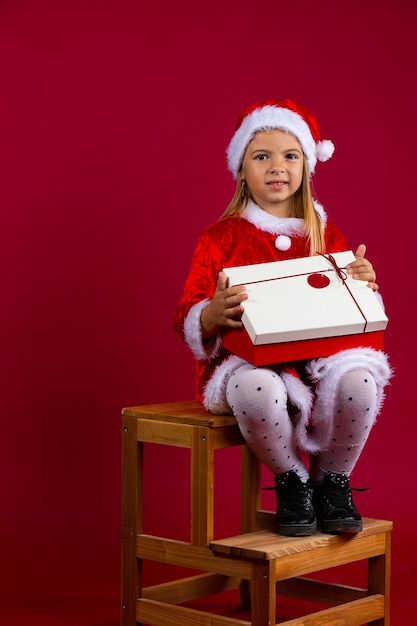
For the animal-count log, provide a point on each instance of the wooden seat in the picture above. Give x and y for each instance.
(258, 561)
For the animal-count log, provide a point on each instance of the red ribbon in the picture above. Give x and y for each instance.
(341, 273)
(343, 276)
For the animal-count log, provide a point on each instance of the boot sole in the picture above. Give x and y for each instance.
(292, 530)
(340, 527)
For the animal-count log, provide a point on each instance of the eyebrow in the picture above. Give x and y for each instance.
(265, 150)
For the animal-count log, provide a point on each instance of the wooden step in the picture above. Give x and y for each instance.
(267, 545)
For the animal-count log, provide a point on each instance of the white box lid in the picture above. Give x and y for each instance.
(282, 306)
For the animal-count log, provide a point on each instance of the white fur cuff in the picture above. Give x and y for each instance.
(193, 334)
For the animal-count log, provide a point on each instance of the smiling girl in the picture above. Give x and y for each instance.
(325, 406)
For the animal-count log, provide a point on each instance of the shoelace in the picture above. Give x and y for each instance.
(342, 496)
(293, 497)
(297, 500)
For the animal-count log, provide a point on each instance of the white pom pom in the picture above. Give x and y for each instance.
(283, 243)
(324, 149)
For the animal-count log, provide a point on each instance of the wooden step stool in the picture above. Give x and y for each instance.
(258, 561)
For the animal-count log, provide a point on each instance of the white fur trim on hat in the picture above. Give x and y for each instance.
(324, 150)
(272, 117)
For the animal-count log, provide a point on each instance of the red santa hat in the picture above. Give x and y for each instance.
(285, 115)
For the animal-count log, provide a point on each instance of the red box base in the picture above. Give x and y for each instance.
(239, 342)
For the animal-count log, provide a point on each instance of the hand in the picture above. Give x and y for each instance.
(362, 269)
(225, 308)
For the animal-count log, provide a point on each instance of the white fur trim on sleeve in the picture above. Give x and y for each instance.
(193, 334)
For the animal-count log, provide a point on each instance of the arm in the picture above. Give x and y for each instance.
(207, 304)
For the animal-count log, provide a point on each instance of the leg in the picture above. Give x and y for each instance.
(354, 415)
(355, 412)
(258, 398)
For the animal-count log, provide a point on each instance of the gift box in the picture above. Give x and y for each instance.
(302, 309)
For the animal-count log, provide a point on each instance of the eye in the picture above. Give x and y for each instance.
(261, 157)
(292, 156)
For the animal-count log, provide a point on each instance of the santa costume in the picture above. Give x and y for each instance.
(284, 408)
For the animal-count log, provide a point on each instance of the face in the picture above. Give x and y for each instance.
(273, 170)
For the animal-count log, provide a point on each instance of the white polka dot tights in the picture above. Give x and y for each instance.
(354, 416)
(258, 399)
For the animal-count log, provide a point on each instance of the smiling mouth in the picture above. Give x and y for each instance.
(277, 184)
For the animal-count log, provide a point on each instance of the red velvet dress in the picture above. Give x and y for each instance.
(232, 242)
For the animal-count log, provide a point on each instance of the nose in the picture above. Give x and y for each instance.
(277, 165)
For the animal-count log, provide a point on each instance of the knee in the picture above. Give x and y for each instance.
(253, 383)
(358, 387)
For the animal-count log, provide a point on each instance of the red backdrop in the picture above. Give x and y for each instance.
(114, 118)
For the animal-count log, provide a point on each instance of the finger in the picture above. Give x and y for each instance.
(233, 309)
(234, 312)
(233, 323)
(221, 281)
(237, 297)
(361, 251)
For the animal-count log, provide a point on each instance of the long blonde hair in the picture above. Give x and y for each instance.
(303, 207)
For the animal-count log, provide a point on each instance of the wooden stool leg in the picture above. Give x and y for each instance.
(131, 520)
(379, 579)
(202, 487)
(250, 502)
(250, 494)
(263, 598)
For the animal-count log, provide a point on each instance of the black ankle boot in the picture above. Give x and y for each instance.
(295, 511)
(335, 507)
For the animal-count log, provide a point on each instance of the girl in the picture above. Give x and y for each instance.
(325, 406)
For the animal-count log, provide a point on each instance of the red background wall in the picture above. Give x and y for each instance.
(114, 118)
